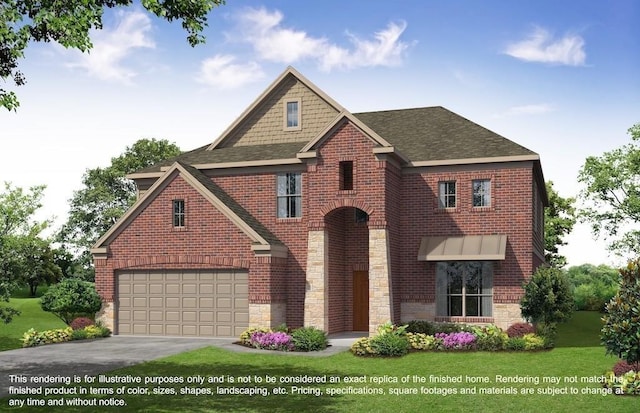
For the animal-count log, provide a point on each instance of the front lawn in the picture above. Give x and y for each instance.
(424, 372)
(32, 316)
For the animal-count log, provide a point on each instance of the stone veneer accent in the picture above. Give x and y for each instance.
(417, 311)
(506, 314)
(380, 299)
(267, 315)
(316, 294)
(107, 315)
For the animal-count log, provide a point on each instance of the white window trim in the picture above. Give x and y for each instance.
(485, 196)
(443, 196)
(284, 117)
(288, 197)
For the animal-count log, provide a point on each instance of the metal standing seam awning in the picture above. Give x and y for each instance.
(463, 248)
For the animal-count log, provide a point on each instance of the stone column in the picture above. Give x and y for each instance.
(380, 298)
(316, 291)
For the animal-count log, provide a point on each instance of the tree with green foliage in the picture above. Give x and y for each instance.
(612, 195)
(70, 298)
(37, 263)
(621, 330)
(547, 297)
(559, 218)
(106, 195)
(593, 286)
(19, 230)
(69, 23)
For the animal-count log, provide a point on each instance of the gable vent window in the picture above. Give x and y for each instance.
(346, 175)
(178, 213)
(292, 114)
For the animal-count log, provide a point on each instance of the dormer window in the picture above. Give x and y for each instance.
(292, 114)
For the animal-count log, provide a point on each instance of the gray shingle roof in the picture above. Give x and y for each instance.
(435, 133)
(233, 205)
(421, 134)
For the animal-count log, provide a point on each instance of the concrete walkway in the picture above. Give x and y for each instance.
(98, 356)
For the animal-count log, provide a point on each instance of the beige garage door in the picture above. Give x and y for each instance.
(208, 303)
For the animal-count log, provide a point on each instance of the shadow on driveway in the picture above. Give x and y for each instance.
(92, 357)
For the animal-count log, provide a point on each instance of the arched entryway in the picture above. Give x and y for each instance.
(347, 269)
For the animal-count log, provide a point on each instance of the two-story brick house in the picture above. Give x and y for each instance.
(306, 214)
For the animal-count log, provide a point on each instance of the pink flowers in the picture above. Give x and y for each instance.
(272, 341)
(457, 341)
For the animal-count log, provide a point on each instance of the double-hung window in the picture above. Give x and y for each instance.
(292, 114)
(447, 194)
(464, 288)
(289, 195)
(481, 192)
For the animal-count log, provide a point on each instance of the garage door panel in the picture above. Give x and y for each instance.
(183, 303)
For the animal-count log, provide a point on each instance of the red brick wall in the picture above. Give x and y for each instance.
(403, 203)
(510, 213)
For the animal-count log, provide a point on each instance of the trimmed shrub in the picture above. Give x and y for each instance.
(309, 339)
(533, 342)
(421, 341)
(516, 344)
(520, 329)
(391, 345)
(549, 331)
(96, 331)
(621, 367)
(71, 297)
(421, 327)
(547, 297)
(362, 347)
(79, 334)
(33, 338)
(282, 328)
(81, 322)
(448, 328)
(490, 338)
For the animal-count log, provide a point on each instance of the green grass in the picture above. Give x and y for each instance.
(583, 330)
(577, 359)
(32, 316)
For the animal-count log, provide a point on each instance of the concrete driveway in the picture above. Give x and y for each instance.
(98, 356)
(93, 357)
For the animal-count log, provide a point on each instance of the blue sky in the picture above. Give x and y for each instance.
(560, 78)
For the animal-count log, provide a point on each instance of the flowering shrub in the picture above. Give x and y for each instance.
(457, 341)
(245, 337)
(272, 341)
(533, 342)
(362, 347)
(421, 341)
(33, 338)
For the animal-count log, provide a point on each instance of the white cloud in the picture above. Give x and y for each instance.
(221, 72)
(540, 46)
(533, 109)
(264, 31)
(113, 45)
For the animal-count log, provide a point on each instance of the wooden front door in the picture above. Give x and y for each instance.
(361, 301)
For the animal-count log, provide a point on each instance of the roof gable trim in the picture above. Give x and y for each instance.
(175, 170)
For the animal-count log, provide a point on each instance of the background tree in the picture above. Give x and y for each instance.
(621, 330)
(612, 195)
(37, 263)
(69, 22)
(106, 195)
(18, 228)
(559, 218)
(593, 286)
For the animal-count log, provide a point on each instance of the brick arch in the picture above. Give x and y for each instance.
(179, 261)
(346, 202)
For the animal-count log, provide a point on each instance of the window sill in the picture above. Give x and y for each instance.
(179, 229)
(289, 220)
(346, 192)
(471, 320)
(440, 210)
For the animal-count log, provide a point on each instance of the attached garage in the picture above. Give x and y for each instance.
(205, 303)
